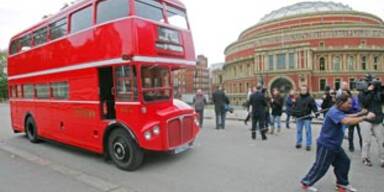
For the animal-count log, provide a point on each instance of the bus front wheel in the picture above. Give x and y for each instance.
(124, 151)
(31, 131)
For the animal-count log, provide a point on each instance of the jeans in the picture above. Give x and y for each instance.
(220, 119)
(287, 120)
(300, 123)
(376, 132)
(201, 117)
(324, 159)
(276, 123)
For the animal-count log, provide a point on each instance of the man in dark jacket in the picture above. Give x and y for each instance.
(328, 100)
(372, 101)
(258, 103)
(303, 107)
(220, 100)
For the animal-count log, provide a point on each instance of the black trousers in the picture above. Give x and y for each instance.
(351, 130)
(258, 124)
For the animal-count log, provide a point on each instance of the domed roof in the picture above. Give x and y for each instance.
(305, 8)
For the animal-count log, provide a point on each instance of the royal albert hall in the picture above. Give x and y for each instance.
(309, 43)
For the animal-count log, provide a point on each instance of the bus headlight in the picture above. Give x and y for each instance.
(148, 135)
(156, 130)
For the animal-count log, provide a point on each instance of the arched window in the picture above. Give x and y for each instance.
(322, 64)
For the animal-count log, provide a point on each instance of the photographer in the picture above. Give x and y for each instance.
(371, 99)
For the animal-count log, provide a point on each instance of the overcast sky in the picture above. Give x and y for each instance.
(215, 23)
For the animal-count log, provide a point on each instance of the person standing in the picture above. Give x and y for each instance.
(199, 102)
(371, 100)
(328, 101)
(288, 107)
(277, 110)
(267, 116)
(329, 150)
(220, 100)
(259, 104)
(303, 107)
(351, 129)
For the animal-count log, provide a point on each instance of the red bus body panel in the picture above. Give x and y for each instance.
(75, 59)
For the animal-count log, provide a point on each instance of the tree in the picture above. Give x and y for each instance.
(3, 76)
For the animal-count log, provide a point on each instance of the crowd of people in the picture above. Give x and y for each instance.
(342, 112)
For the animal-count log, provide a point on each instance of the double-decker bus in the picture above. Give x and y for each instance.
(98, 76)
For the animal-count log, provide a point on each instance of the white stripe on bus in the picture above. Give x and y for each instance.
(55, 101)
(103, 63)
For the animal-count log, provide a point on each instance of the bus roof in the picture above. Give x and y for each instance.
(66, 10)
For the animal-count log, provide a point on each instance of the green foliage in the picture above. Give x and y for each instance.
(3, 86)
(3, 77)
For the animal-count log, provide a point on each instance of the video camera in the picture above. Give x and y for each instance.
(363, 84)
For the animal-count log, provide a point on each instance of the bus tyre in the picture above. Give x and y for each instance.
(124, 151)
(31, 131)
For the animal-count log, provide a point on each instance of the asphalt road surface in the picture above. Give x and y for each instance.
(224, 160)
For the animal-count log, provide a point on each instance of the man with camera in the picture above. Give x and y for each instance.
(371, 99)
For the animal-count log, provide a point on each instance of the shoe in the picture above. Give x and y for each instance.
(298, 146)
(351, 148)
(382, 163)
(308, 148)
(307, 188)
(345, 188)
(367, 162)
(245, 122)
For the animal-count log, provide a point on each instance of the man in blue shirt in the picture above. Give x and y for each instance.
(329, 150)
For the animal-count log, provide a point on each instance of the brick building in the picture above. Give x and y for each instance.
(310, 43)
(188, 81)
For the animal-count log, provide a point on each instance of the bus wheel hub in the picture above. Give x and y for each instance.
(119, 151)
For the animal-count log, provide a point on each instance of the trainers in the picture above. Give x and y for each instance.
(345, 188)
(298, 146)
(367, 162)
(308, 148)
(307, 188)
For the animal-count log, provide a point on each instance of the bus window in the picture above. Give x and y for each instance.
(112, 9)
(81, 19)
(58, 29)
(149, 9)
(177, 17)
(42, 91)
(126, 83)
(156, 83)
(40, 36)
(60, 90)
(14, 47)
(28, 91)
(19, 91)
(26, 43)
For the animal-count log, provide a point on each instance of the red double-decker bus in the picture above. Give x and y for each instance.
(98, 75)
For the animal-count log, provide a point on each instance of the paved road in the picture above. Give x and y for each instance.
(225, 160)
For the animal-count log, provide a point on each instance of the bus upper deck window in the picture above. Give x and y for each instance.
(177, 17)
(149, 9)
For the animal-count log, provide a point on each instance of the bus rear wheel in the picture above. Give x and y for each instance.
(31, 131)
(124, 151)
